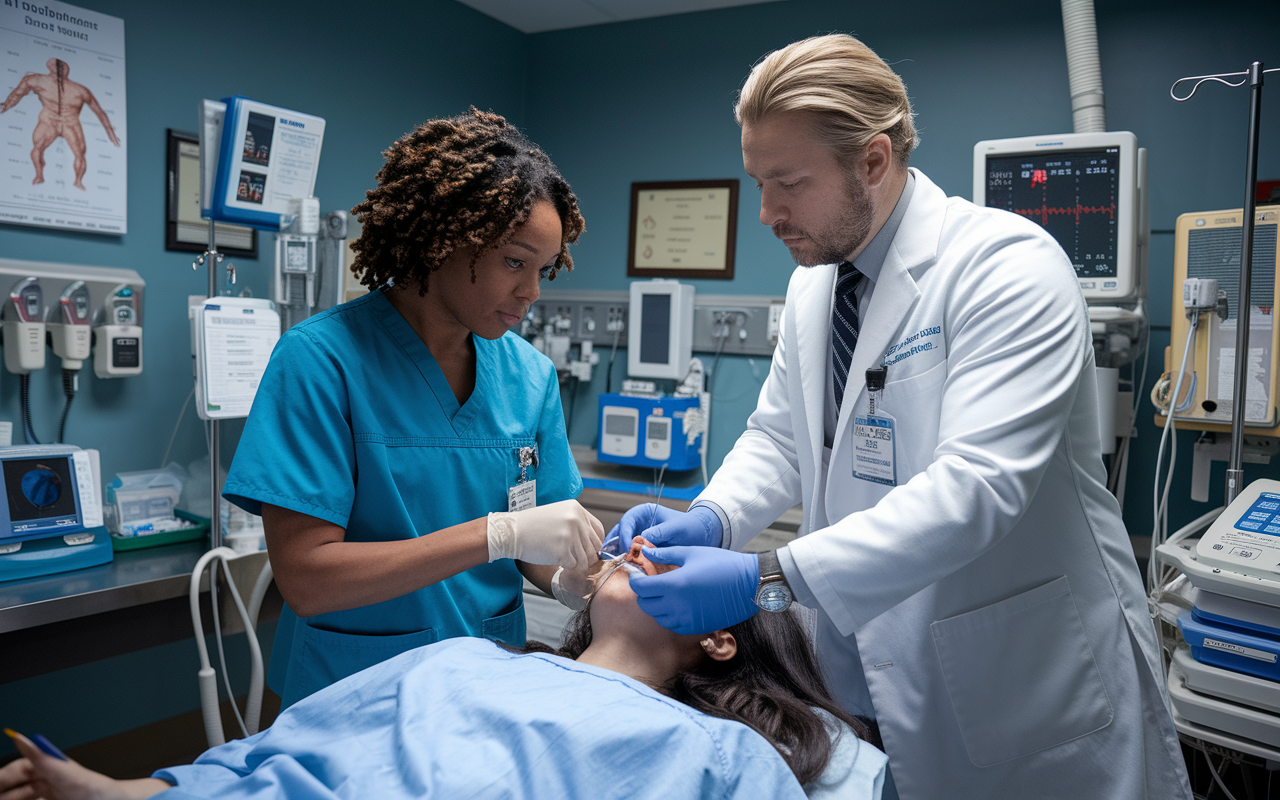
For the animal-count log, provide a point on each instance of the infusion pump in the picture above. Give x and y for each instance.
(1246, 538)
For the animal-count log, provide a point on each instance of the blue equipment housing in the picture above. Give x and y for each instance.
(647, 432)
(43, 513)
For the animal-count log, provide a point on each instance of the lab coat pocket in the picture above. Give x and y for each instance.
(1021, 675)
(325, 657)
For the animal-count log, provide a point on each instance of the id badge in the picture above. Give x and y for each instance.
(873, 449)
(522, 496)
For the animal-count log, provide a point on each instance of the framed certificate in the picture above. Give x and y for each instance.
(184, 229)
(683, 229)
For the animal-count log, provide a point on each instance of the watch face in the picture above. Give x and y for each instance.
(774, 597)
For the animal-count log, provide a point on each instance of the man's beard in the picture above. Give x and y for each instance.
(843, 236)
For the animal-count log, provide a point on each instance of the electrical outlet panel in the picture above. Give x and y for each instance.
(742, 321)
(775, 322)
(732, 324)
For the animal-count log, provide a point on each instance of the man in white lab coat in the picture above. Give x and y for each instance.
(973, 583)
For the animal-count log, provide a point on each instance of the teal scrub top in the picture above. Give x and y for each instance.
(355, 424)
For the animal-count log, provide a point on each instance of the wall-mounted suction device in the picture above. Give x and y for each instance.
(24, 327)
(118, 335)
(24, 331)
(70, 333)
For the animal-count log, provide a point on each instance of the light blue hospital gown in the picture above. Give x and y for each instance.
(467, 719)
(355, 424)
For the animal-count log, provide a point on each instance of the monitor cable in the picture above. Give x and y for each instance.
(608, 372)
(70, 381)
(24, 392)
(1160, 523)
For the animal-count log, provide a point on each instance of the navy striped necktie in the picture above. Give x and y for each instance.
(844, 325)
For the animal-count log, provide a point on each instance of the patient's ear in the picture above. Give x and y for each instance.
(720, 645)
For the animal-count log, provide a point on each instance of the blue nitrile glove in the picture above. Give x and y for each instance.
(699, 526)
(713, 588)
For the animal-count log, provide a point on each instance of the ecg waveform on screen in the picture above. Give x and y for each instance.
(1071, 194)
(1043, 213)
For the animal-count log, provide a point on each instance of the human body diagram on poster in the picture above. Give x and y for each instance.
(64, 134)
(62, 101)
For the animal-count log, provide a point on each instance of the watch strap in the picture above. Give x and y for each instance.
(770, 566)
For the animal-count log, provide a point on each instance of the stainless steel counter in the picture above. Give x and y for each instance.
(133, 578)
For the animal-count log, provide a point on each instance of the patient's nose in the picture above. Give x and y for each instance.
(636, 556)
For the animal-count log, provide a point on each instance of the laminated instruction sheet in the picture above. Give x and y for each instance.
(234, 337)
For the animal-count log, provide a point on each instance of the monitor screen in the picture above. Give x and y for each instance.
(1070, 193)
(658, 429)
(1084, 189)
(40, 493)
(655, 328)
(619, 425)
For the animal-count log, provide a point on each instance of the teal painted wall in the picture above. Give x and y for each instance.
(652, 100)
(91, 701)
(612, 104)
(372, 75)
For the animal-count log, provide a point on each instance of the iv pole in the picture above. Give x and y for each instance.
(1235, 474)
(213, 258)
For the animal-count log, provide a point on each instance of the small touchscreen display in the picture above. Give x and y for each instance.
(40, 492)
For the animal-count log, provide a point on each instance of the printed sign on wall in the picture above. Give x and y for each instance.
(62, 123)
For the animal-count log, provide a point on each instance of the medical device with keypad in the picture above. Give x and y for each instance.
(50, 513)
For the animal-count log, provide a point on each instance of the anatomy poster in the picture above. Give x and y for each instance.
(62, 122)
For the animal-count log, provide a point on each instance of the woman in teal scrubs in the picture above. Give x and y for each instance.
(406, 451)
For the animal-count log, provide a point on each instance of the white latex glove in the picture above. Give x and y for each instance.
(562, 533)
(570, 588)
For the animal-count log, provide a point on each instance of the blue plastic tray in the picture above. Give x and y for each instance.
(1231, 649)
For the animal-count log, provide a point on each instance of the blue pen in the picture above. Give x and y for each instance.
(46, 746)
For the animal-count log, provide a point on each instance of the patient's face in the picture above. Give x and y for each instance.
(613, 604)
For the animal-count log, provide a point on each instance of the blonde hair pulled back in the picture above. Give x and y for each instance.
(851, 92)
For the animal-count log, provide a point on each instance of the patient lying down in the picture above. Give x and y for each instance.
(614, 713)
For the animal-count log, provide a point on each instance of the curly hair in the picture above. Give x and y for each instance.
(464, 181)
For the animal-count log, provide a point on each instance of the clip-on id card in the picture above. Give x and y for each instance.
(873, 456)
(524, 495)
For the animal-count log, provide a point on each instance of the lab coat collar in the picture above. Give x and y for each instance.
(896, 293)
(815, 293)
(914, 246)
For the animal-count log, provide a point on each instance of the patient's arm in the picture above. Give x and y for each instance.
(37, 775)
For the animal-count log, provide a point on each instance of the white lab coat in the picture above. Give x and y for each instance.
(988, 607)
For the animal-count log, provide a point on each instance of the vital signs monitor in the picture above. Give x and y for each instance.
(1081, 187)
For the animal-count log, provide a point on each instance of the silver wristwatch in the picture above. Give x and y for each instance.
(772, 593)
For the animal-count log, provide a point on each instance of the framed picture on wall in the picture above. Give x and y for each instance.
(683, 229)
(184, 228)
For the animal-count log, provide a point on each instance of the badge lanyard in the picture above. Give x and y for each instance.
(873, 436)
(524, 495)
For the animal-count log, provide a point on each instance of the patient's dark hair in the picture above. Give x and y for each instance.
(464, 181)
(772, 685)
